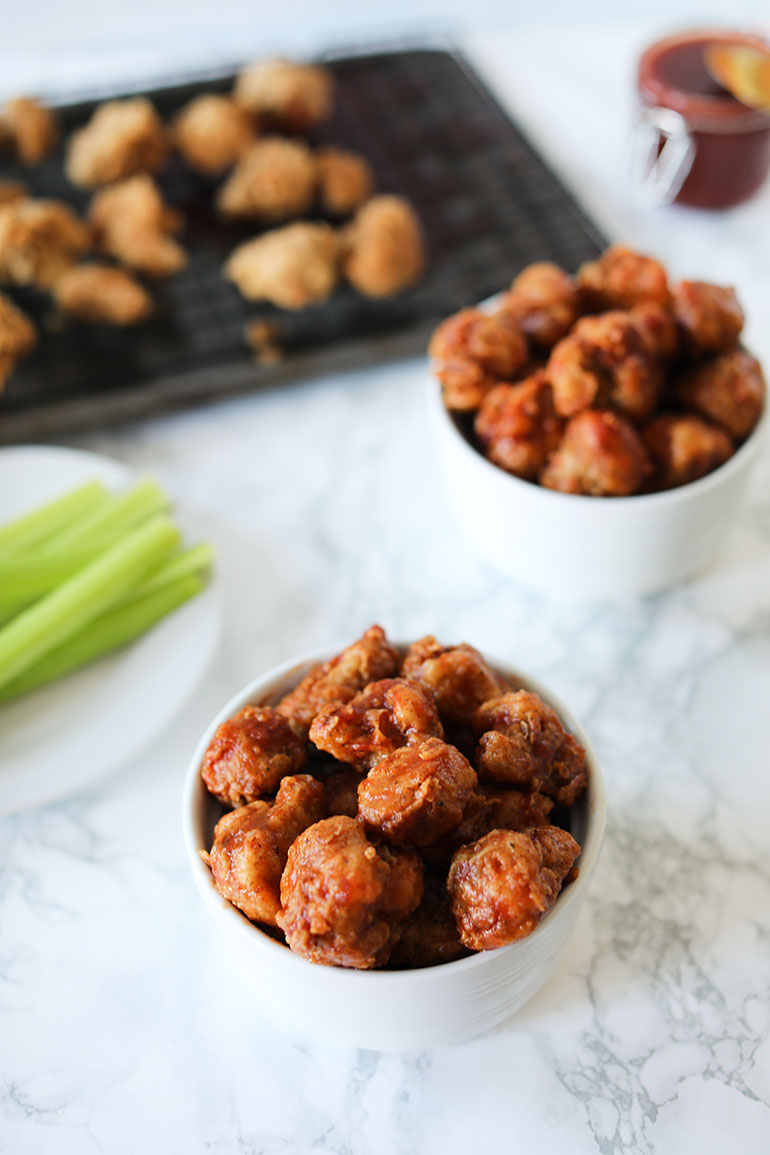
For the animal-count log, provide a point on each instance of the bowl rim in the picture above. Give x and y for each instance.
(236, 922)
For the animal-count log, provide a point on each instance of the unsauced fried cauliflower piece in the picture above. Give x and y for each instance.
(728, 389)
(286, 95)
(335, 682)
(39, 239)
(343, 899)
(17, 337)
(684, 447)
(345, 181)
(502, 885)
(386, 715)
(545, 303)
(132, 222)
(29, 128)
(212, 132)
(710, 315)
(417, 794)
(11, 191)
(249, 755)
(622, 278)
(123, 137)
(274, 180)
(293, 267)
(102, 294)
(523, 743)
(600, 455)
(251, 844)
(474, 351)
(384, 247)
(458, 677)
(517, 427)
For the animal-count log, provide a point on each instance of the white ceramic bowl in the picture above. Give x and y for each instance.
(390, 1010)
(592, 546)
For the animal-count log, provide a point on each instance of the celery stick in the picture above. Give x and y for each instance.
(106, 523)
(195, 560)
(35, 527)
(26, 577)
(80, 599)
(108, 632)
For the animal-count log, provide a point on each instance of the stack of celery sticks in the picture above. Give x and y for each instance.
(86, 574)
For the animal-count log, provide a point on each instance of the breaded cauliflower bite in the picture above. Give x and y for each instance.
(274, 180)
(474, 351)
(123, 137)
(380, 719)
(341, 786)
(29, 128)
(502, 885)
(345, 181)
(544, 302)
(417, 794)
(335, 682)
(600, 455)
(133, 223)
(343, 899)
(285, 95)
(710, 315)
(39, 240)
(517, 426)
(251, 845)
(684, 447)
(292, 267)
(212, 132)
(384, 247)
(494, 808)
(458, 677)
(17, 337)
(249, 755)
(102, 294)
(728, 389)
(523, 743)
(620, 279)
(430, 936)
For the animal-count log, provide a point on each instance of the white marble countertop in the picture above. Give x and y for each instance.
(123, 1025)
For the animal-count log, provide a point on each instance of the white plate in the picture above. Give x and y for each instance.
(75, 731)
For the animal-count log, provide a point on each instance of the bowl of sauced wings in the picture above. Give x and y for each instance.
(395, 840)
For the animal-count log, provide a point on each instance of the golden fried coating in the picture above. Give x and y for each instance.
(39, 240)
(12, 191)
(544, 302)
(384, 247)
(249, 755)
(657, 328)
(417, 794)
(284, 95)
(251, 845)
(493, 808)
(17, 337)
(710, 315)
(622, 278)
(293, 267)
(212, 132)
(132, 222)
(523, 743)
(604, 362)
(684, 447)
(342, 791)
(122, 138)
(274, 180)
(517, 427)
(345, 181)
(430, 935)
(102, 294)
(29, 128)
(343, 900)
(458, 677)
(728, 389)
(502, 885)
(473, 352)
(600, 455)
(335, 682)
(380, 719)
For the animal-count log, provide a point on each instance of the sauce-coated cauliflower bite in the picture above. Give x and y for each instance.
(523, 743)
(343, 900)
(502, 885)
(473, 352)
(684, 447)
(380, 719)
(728, 389)
(517, 426)
(710, 315)
(417, 794)
(251, 844)
(544, 302)
(600, 455)
(622, 278)
(430, 935)
(458, 677)
(250, 754)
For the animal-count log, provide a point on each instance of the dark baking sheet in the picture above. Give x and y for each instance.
(433, 133)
